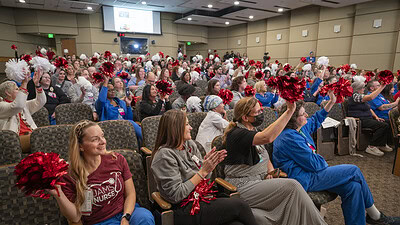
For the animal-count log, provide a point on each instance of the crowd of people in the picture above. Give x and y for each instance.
(130, 93)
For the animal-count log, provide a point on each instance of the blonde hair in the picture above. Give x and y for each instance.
(242, 108)
(260, 86)
(77, 169)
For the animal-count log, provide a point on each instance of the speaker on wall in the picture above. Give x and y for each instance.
(115, 39)
(153, 42)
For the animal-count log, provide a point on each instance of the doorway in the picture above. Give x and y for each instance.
(70, 44)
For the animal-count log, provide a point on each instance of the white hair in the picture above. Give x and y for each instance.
(6, 87)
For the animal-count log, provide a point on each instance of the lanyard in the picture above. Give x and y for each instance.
(309, 145)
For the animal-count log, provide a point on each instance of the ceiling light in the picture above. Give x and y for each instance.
(210, 6)
(280, 10)
(22, 1)
(89, 8)
(190, 18)
(236, 3)
(144, 3)
(136, 46)
(251, 17)
(227, 23)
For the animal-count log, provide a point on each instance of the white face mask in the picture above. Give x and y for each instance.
(158, 73)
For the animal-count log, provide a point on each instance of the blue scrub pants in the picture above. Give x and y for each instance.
(140, 216)
(348, 182)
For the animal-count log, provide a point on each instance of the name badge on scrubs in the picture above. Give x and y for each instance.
(86, 207)
(196, 160)
(121, 111)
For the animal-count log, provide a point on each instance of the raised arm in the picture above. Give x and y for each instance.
(270, 133)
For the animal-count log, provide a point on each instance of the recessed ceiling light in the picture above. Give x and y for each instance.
(89, 8)
(251, 17)
(280, 10)
(144, 3)
(22, 1)
(227, 23)
(210, 6)
(190, 18)
(236, 3)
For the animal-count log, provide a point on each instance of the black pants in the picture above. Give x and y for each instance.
(222, 211)
(380, 132)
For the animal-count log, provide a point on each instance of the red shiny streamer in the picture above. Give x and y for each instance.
(201, 193)
(38, 172)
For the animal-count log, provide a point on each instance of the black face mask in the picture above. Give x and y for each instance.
(258, 120)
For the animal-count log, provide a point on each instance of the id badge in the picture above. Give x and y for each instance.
(121, 111)
(196, 160)
(86, 207)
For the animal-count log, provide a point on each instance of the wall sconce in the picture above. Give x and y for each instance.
(377, 23)
(336, 28)
(257, 39)
(304, 33)
(239, 42)
(279, 37)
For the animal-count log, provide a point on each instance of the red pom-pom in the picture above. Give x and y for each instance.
(176, 63)
(184, 56)
(290, 88)
(259, 75)
(276, 62)
(164, 87)
(272, 82)
(211, 75)
(148, 54)
(353, 72)
(287, 68)
(303, 59)
(226, 95)
(197, 69)
(13, 47)
(94, 60)
(126, 59)
(161, 54)
(345, 68)
(247, 74)
(268, 58)
(398, 72)
(216, 56)
(207, 60)
(61, 63)
(139, 60)
(97, 77)
(239, 62)
(107, 68)
(50, 55)
(249, 91)
(259, 65)
(201, 193)
(252, 63)
(38, 172)
(215, 50)
(107, 54)
(368, 76)
(385, 77)
(342, 89)
(27, 58)
(124, 75)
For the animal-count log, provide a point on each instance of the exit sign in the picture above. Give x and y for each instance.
(189, 43)
(50, 35)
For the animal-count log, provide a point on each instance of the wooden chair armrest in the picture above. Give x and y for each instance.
(72, 223)
(146, 151)
(225, 184)
(160, 201)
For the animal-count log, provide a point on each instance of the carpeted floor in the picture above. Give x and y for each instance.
(385, 186)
